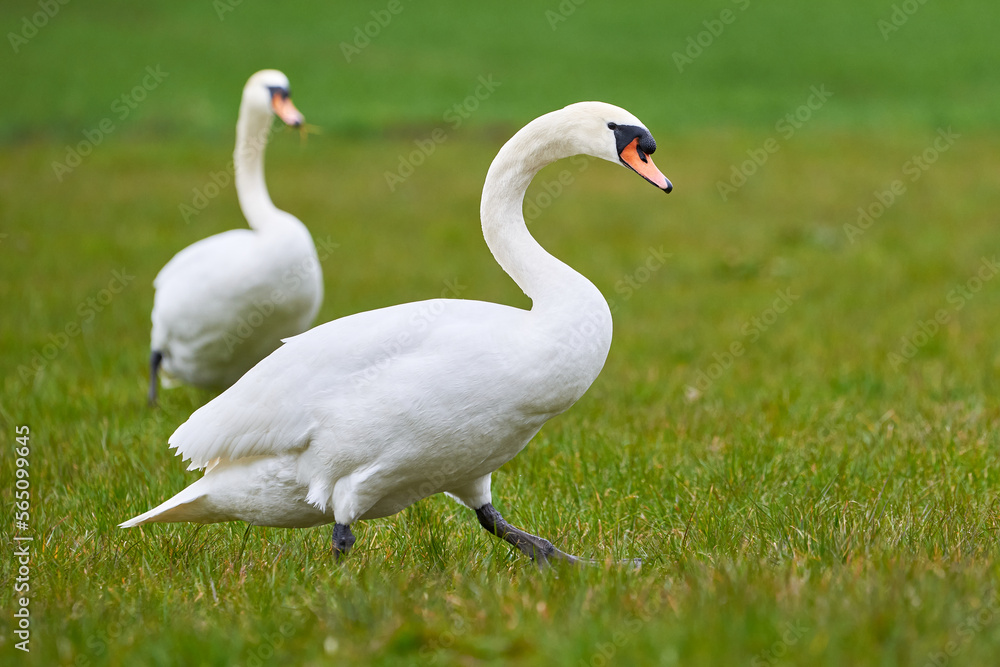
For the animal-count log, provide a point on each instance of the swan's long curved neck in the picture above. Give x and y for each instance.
(548, 282)
(252, 131)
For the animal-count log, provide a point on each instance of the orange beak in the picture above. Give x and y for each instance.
(643, 165)
(285, 110)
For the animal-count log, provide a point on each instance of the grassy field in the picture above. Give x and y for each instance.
(796, 429)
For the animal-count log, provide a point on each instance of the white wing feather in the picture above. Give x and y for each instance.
(280, 404)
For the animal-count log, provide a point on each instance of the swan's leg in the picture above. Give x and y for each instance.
(538, 549)
(343, 540)
(155, 359)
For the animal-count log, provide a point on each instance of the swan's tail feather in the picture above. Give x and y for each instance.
(185, 506)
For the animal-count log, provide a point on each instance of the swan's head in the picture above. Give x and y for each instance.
(268, 92)
(613, 134)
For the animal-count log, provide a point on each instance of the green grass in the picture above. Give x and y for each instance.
(816, 504)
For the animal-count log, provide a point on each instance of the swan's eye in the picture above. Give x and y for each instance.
(612, 126)
(283, 93)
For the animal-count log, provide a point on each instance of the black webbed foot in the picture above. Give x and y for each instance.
(343, 540)
(155, 359)
(538, 549)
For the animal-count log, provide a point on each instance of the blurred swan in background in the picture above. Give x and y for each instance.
(224, 303)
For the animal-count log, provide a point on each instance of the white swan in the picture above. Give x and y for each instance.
(224, 303)
(361, 417)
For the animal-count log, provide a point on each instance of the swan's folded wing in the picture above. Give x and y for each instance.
(212, 258)
(261, 414)
(280, 403)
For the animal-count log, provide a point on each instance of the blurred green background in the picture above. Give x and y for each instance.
(937, 68)
(827, 496)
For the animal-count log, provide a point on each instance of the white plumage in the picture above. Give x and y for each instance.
(361, 417)
(224, 303)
